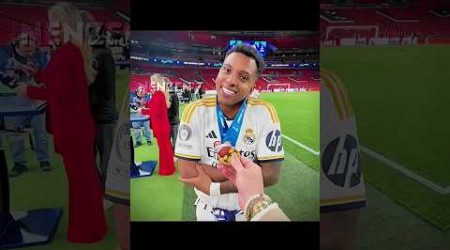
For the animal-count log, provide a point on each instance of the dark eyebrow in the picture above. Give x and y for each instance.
(245, 73)
(240, 72)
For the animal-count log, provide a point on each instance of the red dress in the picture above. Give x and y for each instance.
(70, 121)
(161, 130)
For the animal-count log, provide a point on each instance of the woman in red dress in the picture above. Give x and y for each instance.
(65, 88)
(159, 103)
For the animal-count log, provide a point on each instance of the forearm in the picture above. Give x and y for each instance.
(187, 168)
(269, 180)
(213, 172)
(270, 172)
(227, 187)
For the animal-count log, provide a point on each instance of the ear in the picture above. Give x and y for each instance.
(253, 87)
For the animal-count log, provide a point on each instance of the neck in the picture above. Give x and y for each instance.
(230, 111)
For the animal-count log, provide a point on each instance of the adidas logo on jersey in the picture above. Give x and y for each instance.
(211, 135)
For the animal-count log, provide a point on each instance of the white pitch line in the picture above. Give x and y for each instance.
(405, 171)
(397, 166)
(301, 145)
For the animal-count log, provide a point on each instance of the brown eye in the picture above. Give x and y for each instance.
(244, 78)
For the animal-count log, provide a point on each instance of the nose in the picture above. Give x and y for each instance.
(232, 80)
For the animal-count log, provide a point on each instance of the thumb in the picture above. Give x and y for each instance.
(236, 163)
(246, 162)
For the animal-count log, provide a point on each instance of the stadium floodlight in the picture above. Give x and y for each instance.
(193, 63)
(263, 47)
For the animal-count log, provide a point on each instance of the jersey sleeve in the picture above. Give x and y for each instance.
(188, 139)
(269, 145)
(341, 179)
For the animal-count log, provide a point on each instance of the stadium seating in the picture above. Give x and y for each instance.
(271, 78)
(425, 21)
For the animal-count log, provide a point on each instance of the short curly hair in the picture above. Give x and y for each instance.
(250, 52)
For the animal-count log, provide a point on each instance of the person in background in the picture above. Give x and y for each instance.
(139, 105)
(174, 110)
(19, 61)
(159, 103)
(102, 93)
(115, 178)
(201, 92)
(65, 88)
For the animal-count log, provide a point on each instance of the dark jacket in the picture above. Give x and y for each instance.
(102, 92)
(174, 109)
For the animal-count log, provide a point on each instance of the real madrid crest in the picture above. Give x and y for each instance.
(249, 137)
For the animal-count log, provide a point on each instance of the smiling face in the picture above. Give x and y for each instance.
(236, 79)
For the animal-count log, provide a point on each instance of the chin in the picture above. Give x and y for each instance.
(230, 103)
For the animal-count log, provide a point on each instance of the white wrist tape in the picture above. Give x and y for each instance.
(214, 189)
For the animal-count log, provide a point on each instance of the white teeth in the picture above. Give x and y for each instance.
(227, 91)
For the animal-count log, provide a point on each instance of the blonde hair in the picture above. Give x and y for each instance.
(70, 19)
(167, 81)
(160, 82)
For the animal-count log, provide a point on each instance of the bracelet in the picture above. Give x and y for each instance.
(214, 189)
(250, 200)
(256, 204)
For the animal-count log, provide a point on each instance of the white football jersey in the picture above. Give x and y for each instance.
(341, 180)
(259, 139)
(118, 175)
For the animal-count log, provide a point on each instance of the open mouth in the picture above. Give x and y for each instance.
(228, 91)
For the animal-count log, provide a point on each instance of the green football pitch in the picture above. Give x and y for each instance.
(399, 95)
(35, 189)
(158, 198)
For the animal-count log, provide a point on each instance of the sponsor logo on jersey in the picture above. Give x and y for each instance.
(250, 154)
(341, 161)
(211, 135)
(273, 141)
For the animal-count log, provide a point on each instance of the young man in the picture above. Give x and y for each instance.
(18, 64)
(231, 117)
(342, 190)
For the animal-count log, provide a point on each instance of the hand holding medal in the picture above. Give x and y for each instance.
(224, 153)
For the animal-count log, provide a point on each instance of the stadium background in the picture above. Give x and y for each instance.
(398, 91)
(35, 189)
(191, 59)
(398, 82)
